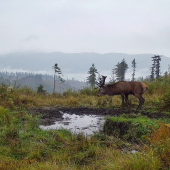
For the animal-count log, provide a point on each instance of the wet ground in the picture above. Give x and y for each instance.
(87, 120)
(51, 115)
(88, 124)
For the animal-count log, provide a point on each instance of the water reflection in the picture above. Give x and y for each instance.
(88, 124)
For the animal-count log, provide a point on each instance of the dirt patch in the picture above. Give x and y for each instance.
(93, 111)
(48, 115)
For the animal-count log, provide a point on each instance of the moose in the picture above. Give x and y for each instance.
(123, 88)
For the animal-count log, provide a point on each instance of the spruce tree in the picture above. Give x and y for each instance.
(134, 67)
(120, 70)
(152, 76)
(91, 79)
(155, 69)
(157, 66)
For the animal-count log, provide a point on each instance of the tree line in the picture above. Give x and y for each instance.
(120, 69)
(117, 74)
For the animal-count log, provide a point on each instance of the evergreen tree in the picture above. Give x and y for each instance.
(40, 89)
(157, 66)
(155, 69)
(152, 76)
(120, 70)
(134, 67)
(57, 70)
(91, 79)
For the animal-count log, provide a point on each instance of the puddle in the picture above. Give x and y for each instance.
(88, 124)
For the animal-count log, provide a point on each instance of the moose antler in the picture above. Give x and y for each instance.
(101, 81)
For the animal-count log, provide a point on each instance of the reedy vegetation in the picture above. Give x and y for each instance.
(23, 145)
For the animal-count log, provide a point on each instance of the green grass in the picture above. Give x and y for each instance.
(23, 145)
(130, 127)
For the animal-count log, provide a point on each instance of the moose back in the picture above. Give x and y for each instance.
(124, 88)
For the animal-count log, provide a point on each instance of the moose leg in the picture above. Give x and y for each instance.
(122, 95)
(126, 99)
(141, 101)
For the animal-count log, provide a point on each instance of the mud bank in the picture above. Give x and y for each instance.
(50, 115)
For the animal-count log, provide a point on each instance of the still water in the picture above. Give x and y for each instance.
(88, 124)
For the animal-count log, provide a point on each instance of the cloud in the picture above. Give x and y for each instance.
(101, 26)
(30, 38)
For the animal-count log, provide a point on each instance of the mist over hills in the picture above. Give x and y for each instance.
(77, 64)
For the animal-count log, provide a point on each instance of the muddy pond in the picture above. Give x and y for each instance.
(87, 124)
(77, 120)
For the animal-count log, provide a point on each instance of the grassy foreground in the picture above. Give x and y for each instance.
(23, 145)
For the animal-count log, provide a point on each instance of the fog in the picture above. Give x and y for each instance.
(102, 26)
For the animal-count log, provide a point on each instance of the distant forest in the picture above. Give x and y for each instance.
(31, 80)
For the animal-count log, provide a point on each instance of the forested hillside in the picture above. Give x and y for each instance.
(31, 80)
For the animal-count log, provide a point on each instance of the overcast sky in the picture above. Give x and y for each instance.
(103, 26)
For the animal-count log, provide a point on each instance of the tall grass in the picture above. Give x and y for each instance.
(155, 97)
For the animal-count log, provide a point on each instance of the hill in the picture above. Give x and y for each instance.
(76, 65)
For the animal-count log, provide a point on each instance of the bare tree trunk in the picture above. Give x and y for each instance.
(54, 85)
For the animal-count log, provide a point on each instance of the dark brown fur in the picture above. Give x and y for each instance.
(124, 88)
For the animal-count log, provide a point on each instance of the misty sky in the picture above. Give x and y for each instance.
(103, 26)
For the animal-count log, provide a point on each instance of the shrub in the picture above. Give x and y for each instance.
(40, 89)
